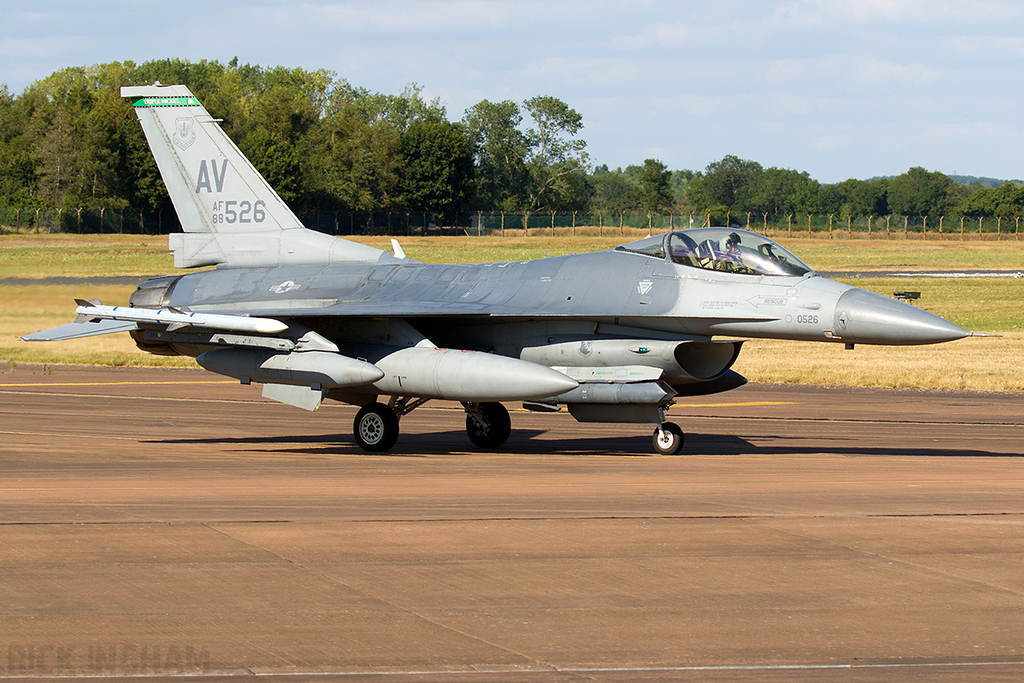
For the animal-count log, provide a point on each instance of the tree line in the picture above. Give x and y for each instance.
(324, 144)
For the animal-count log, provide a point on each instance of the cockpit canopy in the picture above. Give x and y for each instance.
(725, 249)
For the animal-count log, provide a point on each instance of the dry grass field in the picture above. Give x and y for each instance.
(991, 305)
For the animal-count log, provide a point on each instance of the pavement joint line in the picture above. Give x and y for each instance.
(113, 384)
(314, 675)
(576, 518)
(133, 398)
(77, 436)
(746, 404)
(362, 487)
(854, 420)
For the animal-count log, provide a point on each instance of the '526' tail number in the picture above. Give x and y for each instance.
(231, 211)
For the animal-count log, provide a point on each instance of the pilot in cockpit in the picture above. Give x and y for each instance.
(732, 250)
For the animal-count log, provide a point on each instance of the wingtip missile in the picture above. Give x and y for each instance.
(177, 319)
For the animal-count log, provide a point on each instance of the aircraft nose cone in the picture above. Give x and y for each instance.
(869, 318)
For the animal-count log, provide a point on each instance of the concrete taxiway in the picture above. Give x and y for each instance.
(159, 523)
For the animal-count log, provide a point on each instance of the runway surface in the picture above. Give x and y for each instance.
(161, 523)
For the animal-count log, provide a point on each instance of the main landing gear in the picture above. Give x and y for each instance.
(376, 425)
(487, 424)
(376, 428)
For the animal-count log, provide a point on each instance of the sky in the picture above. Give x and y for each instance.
(837, 88)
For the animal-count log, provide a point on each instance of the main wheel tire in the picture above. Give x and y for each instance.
(376, 428)
(491, 428)
(668, 439)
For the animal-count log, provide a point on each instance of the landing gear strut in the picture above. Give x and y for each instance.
(487, 424)
(668, 438)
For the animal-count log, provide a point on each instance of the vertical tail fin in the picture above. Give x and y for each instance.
(230, 214)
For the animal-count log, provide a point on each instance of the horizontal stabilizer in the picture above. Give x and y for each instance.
(78, 330)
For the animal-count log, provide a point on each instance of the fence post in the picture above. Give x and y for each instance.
(869, 225)
(789, 225)
(600, 223)
(887, 232)
(809, 224)
(766, 223)
(748, 220)
(849, 226)
(573, 223)
(620, 224)
(999, 228)
(502, 223)
(961, 228)
(906, 227)
(830, 217)
(924, 228)
(941, 220)
(980, 220)
(552, 223)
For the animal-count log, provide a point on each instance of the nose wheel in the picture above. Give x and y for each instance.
(668, 439)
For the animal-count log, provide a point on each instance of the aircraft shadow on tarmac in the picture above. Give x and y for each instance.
(526, 441)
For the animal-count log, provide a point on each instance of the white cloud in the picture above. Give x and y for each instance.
(871, 71)
(405, 16)
(660, 35)
(825, 12)
(989, 46)
(580, 72)
(24, 48)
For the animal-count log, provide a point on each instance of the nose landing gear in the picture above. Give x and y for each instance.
(668, 439)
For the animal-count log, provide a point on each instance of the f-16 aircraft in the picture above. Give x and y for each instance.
(614, 335)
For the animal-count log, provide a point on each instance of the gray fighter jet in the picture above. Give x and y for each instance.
(615, 335)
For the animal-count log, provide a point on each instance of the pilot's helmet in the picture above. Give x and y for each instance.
(732, 241)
